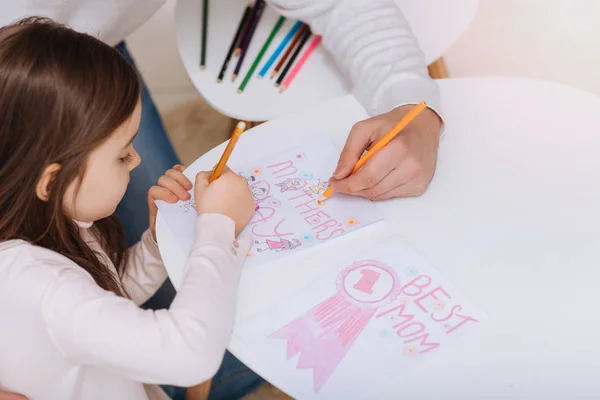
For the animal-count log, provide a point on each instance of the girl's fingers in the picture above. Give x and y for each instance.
(175, 190)
(161, 193)
(179, 167)
(180, 178)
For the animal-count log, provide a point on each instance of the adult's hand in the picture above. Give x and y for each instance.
(403, 168)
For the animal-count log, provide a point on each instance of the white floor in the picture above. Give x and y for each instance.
(556, 40)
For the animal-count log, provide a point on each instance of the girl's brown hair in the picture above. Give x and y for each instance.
(62, 94)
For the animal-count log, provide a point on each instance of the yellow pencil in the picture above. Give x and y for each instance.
(239, 129)
(408, 118)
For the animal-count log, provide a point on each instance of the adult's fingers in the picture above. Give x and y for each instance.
(359, 139)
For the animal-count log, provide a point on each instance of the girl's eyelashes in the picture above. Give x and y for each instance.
(127, 159)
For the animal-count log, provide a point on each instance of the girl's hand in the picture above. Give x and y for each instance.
(171, 188)
(229, 195)
(11, 396)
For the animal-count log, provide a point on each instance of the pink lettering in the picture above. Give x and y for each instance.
(457, 307)
(417, 285)
(464, 318)
(331, 234)
(400, 308)
(402, 331)
(367, 281)
(286, 168)
(275, 231)
(422, 342)
(317, 214)
(262, 215)
(431, 294)
(303, 194)
(311, 205)
(332, 223)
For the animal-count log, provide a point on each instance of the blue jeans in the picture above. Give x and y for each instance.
(234, 379)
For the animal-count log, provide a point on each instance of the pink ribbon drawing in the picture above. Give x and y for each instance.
(324, 334)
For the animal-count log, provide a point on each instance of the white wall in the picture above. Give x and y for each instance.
(557, 40)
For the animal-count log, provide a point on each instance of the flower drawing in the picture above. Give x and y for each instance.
(351, 221)
(274, 202)
(307, 237)
(307, 176)
(315, 219)
(410, 351)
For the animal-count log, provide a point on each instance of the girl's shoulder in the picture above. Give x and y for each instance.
(27, 268)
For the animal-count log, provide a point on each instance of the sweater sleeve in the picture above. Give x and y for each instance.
(372, 43)
(144, 271)
(183, 345)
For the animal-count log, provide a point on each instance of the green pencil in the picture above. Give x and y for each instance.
(261, 54)
(204, 32)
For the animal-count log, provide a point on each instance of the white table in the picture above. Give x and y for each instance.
(512, 218)
(436, 24)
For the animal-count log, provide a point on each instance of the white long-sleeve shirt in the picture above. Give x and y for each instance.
(370, 40)
(63, 337)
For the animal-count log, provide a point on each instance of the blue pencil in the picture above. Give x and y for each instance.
(280, 48)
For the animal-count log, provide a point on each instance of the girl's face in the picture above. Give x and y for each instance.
(106, 174)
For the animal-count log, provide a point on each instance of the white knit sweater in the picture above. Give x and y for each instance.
(369, 39)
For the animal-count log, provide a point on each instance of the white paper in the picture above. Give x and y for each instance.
(286, 187)
(359, 327)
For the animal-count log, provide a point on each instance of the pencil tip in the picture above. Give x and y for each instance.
(233, 77)
(282, 89)
(237, 52)
(273, 74)
(241, 125)
(239, 91)
(276, 84)
(202, 67)
(219, 80)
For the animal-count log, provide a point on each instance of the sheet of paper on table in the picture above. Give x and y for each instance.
(288, 217)
(360, 327)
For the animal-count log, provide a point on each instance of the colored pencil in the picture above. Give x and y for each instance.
(242, 37)
(408, 118)
(234, 42)
(260, 6)
(287, 82)
(279, 49)
(289, 50)
(204, 32)
(290, 62)
(261, 53)
(239, 129)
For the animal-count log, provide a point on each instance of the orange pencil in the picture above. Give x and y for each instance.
(408, 118)
(239, 129)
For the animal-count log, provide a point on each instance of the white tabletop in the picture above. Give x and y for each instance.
(512, 218)
(436, 25)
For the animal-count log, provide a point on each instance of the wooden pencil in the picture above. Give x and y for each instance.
(242, 37)
(290, 77)
(204, 33)
(286, 40)
(216, 173)
(262, 52)
(290, 62)
(260, 6)
(287, 53)
(407, 119)
(234, 42)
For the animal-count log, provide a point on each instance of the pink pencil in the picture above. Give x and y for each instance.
(288, 80)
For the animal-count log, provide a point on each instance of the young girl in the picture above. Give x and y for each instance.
(70, 323)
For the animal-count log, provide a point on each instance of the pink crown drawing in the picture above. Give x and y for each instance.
(324, 334)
